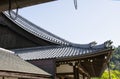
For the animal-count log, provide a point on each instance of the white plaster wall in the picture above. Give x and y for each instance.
(0, 77)
(64, 68)
(10, 78)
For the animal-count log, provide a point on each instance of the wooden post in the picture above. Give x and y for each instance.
(83, 76)
(76, 72)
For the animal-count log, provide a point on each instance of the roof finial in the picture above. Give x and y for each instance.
(108, 43)
(93, 43)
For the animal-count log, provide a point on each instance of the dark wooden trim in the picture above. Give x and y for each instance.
(92, 67)
(76, 72)
(3, 77)
(84, 71)
(106, 61)
(23, 75)
(83, 76)
(68, 73)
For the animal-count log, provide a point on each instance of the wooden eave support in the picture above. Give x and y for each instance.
(93, 69)
(107, 60)
(76, 72)
(91, 61)
(77, 69)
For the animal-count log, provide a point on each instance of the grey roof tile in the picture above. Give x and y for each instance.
(45, 52)
(11, 62)
(36, 30)
(65, 48)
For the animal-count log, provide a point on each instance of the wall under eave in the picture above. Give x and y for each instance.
(11, 40)
(49, 65)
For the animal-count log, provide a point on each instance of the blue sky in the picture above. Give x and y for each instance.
(94, 20)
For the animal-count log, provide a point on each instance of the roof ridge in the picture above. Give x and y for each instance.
(106, 44)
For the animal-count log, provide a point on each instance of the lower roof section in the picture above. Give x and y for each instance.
(93, 59)
(61, 52)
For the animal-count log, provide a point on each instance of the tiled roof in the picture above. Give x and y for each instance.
(36, 30)
(45, 52)
(11, 62)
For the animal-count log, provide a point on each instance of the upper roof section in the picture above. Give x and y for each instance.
(12, 63)
(4, 4)
(45, 35)
(62, 52)
(36, 30)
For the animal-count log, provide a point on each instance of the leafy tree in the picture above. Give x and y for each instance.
(115, 61)
(115, 74)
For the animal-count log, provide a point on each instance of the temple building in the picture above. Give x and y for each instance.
(59, 57)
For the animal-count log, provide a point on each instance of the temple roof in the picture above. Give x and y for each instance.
(60, 49)
(12, 63)
(93, 58)
(62, 52)
(36, 30)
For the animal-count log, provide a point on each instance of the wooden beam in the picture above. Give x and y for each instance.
(70, 73)
(93, 69)
(107, 60)
(23, 75)
(83, 76)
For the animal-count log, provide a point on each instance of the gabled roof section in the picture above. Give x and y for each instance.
(36, 30)
(63, 52)
(12, 63)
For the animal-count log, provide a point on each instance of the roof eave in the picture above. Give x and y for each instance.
(4, 5)
(87, 55)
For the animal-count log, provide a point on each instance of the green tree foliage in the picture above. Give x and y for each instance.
(115, 61)
(115, 74)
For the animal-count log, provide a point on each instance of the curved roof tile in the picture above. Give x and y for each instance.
(35, 30)
(46, 52)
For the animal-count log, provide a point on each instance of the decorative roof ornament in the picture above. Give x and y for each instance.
(93, 43)
(108, 43)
